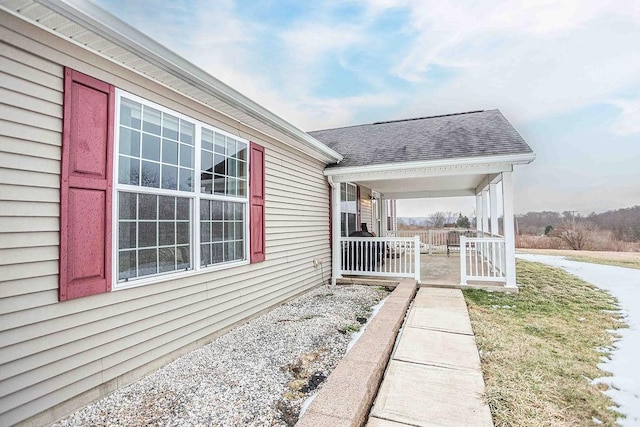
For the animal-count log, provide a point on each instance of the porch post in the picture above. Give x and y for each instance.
(479, 212)
(485, 211)
(509, 234)
(383, 219)
(493, 197)
(336, 255)
(493, 226)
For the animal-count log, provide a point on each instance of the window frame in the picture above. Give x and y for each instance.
(345, 210)
(194, 196)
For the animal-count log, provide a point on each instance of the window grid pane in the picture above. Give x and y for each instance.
(155, 151)
(221, 233)
(154, 235)
(223, 165)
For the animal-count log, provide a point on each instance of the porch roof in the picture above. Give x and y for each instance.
(439, 156)
(453, 136)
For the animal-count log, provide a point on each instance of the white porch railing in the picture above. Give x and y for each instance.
(433, 240)
(482, 259)
(381, 256)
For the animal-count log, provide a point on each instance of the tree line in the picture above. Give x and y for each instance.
(624, 224)
(617, 230)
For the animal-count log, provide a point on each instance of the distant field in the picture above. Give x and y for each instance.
(621, 259)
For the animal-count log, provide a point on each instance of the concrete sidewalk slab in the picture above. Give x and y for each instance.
(421, 395)
(440, 292)
(456, 321)
(437, 348)
(378, 422)
(449, 303)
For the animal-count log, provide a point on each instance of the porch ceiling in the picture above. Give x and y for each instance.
(424, 187)
(461, 177)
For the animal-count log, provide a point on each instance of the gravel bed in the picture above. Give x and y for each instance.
(258, 374)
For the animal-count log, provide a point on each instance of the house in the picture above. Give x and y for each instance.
(146, 207)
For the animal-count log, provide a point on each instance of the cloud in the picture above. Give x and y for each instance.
(553, 67)
(532, 59)
(628, 122)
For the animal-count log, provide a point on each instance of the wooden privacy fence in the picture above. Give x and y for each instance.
(381, 256)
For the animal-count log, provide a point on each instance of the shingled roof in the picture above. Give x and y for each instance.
(451, 136)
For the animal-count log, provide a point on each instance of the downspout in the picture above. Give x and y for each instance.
(335, 230)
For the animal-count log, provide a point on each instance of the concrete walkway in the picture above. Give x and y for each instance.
(434, 376)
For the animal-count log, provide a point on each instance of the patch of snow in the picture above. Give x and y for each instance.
(307, 403)
(624, 284)
(596, 421)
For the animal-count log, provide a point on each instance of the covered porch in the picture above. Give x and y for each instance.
(483, 257)
(436, 269)
(468, 154)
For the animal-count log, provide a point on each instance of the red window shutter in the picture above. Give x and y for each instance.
(256, 202)
(86, 186)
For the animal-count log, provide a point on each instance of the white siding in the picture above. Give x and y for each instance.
(366, 213)
(62, 355)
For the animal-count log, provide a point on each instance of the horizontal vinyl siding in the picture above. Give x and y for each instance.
(365, 208)
(50, 352)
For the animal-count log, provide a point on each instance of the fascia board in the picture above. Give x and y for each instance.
(113, 29)
(513, 159)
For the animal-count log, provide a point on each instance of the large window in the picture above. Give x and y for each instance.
(348, 209)
(181, 192)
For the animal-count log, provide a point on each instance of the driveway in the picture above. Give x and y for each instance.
(624, 284)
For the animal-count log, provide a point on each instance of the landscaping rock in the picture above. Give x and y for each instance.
(256, 375)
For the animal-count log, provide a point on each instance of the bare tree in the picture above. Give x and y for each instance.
(451, 217)
(438, 219)
(577, 234)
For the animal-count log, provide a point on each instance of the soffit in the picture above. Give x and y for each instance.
(141, 55)
(424, 181)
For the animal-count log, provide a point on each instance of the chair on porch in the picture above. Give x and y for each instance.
(453, 239)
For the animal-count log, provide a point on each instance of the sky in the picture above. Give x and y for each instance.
(565, 73)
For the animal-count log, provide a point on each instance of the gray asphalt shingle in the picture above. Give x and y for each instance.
(472, 134)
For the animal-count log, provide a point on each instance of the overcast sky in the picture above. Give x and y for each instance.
(565, 73)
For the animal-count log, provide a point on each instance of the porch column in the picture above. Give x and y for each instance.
(485, 211)
(479, 212)
(383, 217)
(336, 255)
(493, 198)
(509, 234)
(394, 215)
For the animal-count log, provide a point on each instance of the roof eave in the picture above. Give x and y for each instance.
(513, 159)
(111, 28)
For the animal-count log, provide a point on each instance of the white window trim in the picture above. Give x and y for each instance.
(346, 210)
(195, 196)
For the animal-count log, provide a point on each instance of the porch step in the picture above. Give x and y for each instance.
(368, 281)
(489, 287)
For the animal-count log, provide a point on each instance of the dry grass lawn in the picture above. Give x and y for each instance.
(539, 349)
(620, 259)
